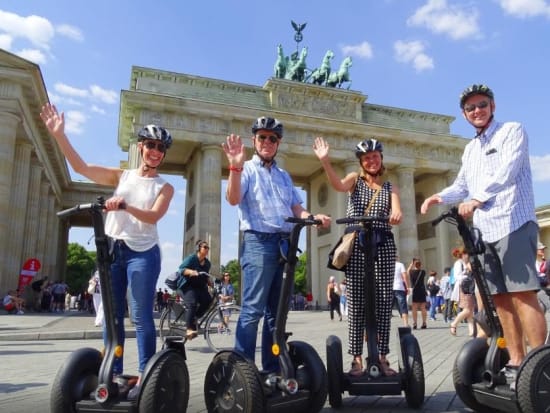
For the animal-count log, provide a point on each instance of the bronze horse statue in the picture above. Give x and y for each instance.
(320, 75)
(342, 75)
(296, 68)
(281, 63)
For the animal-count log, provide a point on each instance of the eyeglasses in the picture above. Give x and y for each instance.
(481, 105)
(272, 138)
(159, 146)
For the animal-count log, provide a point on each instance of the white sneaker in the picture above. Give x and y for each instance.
(20, 312)
(511, 374)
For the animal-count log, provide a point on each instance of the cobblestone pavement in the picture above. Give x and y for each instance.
(33, 346)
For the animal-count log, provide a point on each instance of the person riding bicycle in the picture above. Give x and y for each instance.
(194, 291)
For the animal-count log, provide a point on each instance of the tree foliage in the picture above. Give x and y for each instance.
(80, 265)
(300, 275)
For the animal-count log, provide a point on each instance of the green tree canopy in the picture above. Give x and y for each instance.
(80, 265)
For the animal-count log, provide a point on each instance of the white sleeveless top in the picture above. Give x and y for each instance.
(140, 192)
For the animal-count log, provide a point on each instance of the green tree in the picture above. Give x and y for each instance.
(300, 275)
(80, 265)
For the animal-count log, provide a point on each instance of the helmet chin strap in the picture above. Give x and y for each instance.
(146, 167)
(479, 131)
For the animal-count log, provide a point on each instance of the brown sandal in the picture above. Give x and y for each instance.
(356, 369)
(386, 369)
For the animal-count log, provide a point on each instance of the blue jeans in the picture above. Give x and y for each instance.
(261, 279)
(137, 272)
(433, 304)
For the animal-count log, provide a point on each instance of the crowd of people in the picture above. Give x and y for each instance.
(493, 186)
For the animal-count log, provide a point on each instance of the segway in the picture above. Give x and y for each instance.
(84, 383)
(477, 371)
(234, 384)
(410, 376)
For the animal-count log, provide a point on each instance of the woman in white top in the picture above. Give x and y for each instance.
(145, 197)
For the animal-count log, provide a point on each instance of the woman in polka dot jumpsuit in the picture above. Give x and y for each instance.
(361, 187)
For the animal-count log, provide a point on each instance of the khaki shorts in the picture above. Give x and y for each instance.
(509, 263)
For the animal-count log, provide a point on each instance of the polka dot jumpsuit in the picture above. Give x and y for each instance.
(384, 270)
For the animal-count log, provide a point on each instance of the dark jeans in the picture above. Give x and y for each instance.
(335, 306)
(196, 303)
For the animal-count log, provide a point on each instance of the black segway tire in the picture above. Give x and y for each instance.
(414, 384)
(232, 384)
(469, 362)
(166, 387)
(335, 371)
(75, 380)
(533, 381)
(310, 373)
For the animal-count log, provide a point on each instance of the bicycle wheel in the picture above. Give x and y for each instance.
(172, 321)
(221, 326)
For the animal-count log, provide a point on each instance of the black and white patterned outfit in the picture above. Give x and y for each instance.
(384, 269)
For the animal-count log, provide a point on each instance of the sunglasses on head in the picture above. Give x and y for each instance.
(481, 105)
(159, 146)
(272, 138)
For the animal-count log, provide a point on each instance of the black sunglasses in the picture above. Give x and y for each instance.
(481, 105)
(159, 146)
(206, 247)
(272, 138)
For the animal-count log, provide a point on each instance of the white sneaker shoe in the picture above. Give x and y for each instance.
(20, 312)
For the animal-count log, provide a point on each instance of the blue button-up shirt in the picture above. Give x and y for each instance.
(496, 171)
(267, 197)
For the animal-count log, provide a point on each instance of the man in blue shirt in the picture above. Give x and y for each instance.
(266, 196)
(495, 178)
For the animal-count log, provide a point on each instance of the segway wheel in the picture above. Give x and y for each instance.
(233, 385)
(310, 373)
(335, 371)
(75, 380)
(166, 387)
(534, 381)
(469, 363)
(414, 371)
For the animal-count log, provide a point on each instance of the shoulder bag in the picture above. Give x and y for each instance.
(340, 254)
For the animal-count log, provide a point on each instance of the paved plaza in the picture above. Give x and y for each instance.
(32, 347)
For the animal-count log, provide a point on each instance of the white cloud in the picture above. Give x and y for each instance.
(33, 55)
(74, 121)
(413, 52)
(363, 50)
(5, 41)
(106, 96)
(69, 90)
(97, 109)
(58, 99)
(525, 8)
(456, 21)
(38, 30)
(539, 167)
(70, 31)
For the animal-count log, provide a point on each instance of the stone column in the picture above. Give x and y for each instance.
(134, 155)
(8, 131)
(18, 206)
(30, 244)
(442, 231)
(49, 264)
(208, 180)
(408, 234)
(43, 225)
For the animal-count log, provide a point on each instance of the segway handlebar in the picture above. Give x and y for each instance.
(304, 221)
(362, 219)
(99, 205)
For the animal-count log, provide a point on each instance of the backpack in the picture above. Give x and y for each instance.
(468, 285)
(175, 280)
(433, 288)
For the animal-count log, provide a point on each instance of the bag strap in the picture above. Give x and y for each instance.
(369, 206)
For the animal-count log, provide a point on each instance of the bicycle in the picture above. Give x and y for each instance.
(218, 324)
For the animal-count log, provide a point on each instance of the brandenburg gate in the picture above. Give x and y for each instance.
(420, 154)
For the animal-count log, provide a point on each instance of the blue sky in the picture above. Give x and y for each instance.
(412, 54)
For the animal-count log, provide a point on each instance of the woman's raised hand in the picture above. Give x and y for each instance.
(54, 121)
(321, 148)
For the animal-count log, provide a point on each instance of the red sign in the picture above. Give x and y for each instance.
(29, 270)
